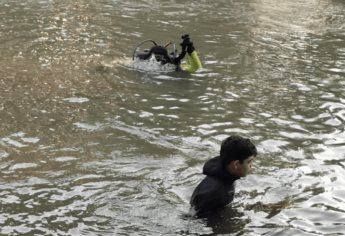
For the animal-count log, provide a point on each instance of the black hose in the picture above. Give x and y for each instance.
(141, 43)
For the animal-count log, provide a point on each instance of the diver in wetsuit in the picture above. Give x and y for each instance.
(161, 55)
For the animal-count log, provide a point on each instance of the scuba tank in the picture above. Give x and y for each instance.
(160, 53)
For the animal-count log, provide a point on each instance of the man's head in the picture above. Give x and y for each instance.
(161, 54)
(237, 154)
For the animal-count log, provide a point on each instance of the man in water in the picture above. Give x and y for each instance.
(161, 55)
(217, 189)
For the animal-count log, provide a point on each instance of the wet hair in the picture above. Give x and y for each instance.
(236, 148)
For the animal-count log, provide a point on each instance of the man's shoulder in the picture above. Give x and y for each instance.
(212, 182)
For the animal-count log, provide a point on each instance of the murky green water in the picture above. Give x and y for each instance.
(89, 146)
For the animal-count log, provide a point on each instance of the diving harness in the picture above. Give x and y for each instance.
(160, 53)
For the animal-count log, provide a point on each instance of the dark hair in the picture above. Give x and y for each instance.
(236, 148)
(161, 54)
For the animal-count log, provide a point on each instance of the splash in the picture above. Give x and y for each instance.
(151, 65)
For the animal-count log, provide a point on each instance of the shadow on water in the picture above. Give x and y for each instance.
(233, 219)
(228, 221)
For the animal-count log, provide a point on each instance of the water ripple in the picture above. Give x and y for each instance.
(90, 145)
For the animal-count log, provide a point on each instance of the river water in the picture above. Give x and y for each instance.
(91, 146)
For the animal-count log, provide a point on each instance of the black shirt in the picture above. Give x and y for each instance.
(215, 191)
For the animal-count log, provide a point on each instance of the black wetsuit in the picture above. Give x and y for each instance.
(215, 191)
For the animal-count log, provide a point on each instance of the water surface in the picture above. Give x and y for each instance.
(90, 146)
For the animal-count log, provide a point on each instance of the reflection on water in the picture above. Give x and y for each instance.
(90, 145)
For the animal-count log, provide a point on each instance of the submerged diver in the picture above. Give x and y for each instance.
(160, 53)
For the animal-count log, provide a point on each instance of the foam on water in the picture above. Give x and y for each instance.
(151, 65)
